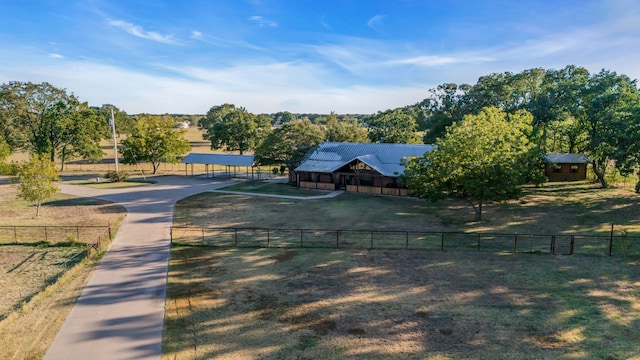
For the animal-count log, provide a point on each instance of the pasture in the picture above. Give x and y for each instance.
(40, 282)
(273, 303)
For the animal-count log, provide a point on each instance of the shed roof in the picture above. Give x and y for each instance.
(567, 158)
(384, 158)
(219, 159)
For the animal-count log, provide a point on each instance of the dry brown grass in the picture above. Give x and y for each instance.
(340, 304)
(349, 304)
(553, 209)
(62, 209)
(40, 284)
(28, 332)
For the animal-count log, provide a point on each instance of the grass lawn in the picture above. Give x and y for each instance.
(40, 284)
(357, 304)
(105, 184)
(263, 187)
(553, 209)
(340, 304)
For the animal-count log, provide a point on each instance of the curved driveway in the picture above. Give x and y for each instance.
(120, 312)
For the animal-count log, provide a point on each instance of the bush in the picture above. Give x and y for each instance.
(8, 168)
(117, 176)
(638, 186)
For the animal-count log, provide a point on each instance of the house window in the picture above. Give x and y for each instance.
(557, 168)
(574, 168)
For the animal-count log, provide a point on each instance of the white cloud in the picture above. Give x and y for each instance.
(375, 21)
(430, 60)
(139, 31)
(56, 56)
(196, 34)
(263, 22)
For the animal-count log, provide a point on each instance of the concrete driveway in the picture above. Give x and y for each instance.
(120, 313)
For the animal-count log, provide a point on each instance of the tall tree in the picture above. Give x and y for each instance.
(346, 130)
(289, 144)
(45, 119)
(607, 111)
(443, 108)
(485, 157)
(36, 180)
(393, 126)
(154, 140)
(234, 129)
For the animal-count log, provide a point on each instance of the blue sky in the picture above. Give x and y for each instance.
(303, 56)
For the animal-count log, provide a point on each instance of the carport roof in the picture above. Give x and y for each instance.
(219, 159)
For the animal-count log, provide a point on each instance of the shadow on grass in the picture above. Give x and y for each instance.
(275, 303)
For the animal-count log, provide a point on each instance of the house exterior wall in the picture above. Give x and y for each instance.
(565, 172)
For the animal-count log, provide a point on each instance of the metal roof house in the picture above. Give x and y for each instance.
(566, 167)
(358, 167)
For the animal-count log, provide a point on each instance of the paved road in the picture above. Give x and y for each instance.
(120, 313)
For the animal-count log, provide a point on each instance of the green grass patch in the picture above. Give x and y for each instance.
(100, 183)
(262, 187)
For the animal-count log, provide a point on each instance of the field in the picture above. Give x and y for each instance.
(226, 303)
(40, 283)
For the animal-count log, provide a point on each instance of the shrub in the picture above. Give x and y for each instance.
(117, 176)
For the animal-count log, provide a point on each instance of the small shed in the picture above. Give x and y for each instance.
(231, 162)
(566, 167)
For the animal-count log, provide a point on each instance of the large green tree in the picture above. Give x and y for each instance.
(47, 120)
(484, 157)
(607, 112)
(36, 180)
(345, 130)
(393, 126)
(289, 144)
(154, 139)
(233, 129)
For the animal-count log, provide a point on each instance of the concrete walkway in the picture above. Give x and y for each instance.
(120, 313)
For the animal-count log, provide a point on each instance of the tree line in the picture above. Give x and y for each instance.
(564, 110)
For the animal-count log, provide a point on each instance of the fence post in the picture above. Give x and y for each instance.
(611, 241)
(46, 238)
(78, 232)
(268, 237)
(15, 235)
(371, 247)
(110, 235)
(337, 239)
(442, 241)
(552, 248)
(171, 235)
(571, 245)
(235, 231)
(515, 244)
(301, 231)
(406, 241)
(478, 235)
(202, 231)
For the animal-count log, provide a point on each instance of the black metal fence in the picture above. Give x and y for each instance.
(564, 244)
(50, 234)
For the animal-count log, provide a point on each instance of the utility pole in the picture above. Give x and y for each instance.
(112, 122)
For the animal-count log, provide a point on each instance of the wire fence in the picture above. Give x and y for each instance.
(89, 237)
(564, 244)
